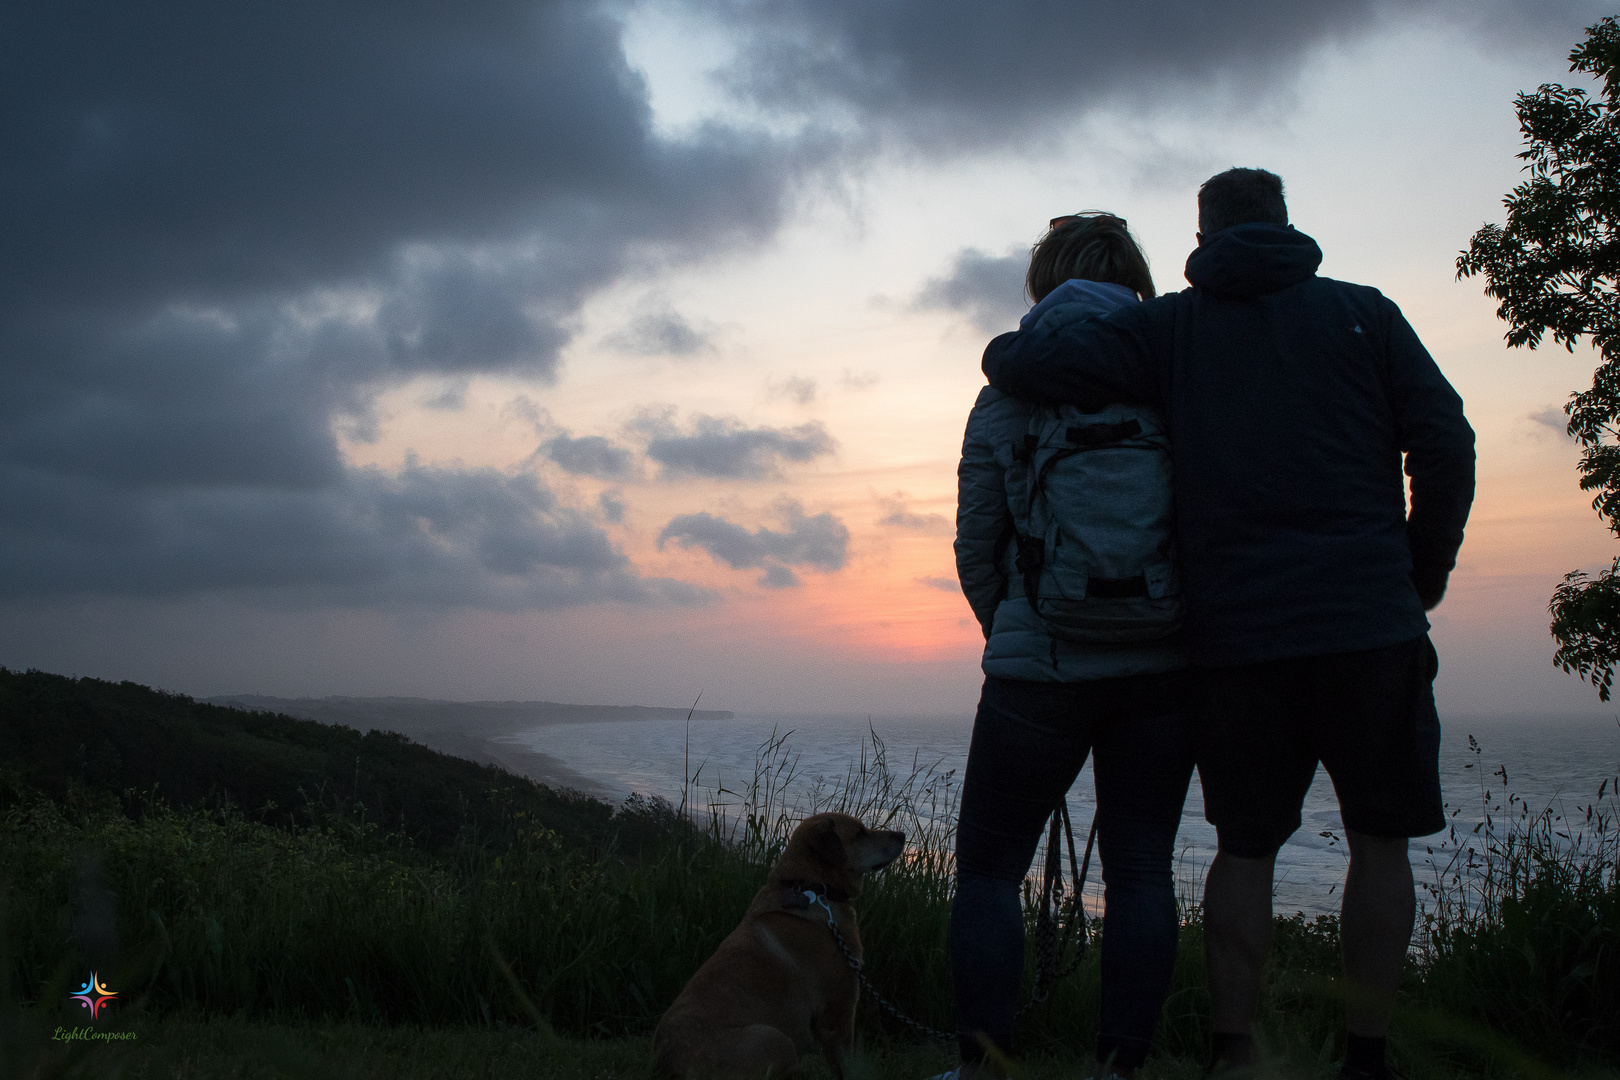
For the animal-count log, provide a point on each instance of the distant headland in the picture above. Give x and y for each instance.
(476, 730)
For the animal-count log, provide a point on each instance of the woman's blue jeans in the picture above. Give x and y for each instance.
(1029, 741)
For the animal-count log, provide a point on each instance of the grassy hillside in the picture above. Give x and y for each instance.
(131, 743)
(306, 879)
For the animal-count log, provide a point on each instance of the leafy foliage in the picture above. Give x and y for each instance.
(1586, 624)
(1555, 268)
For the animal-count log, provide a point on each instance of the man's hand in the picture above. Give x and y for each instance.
(1431, 588)
(994, 353)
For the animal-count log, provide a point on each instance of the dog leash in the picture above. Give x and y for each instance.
(856, 966)
(1050, 947)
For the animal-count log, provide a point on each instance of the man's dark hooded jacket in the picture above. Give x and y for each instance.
(1290, 400)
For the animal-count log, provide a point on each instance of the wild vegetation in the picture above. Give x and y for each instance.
(1553, 269)
(240, 935)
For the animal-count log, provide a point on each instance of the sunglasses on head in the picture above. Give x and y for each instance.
(1069, 219)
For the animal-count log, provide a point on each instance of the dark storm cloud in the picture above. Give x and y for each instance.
(821, 541)
(589, 455)
(459, 317)
(944, 73)
(427, 536)
(724, 448)
(225, 228)
(988, 289)
(221, 150)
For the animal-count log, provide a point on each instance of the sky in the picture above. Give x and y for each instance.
(620, 352)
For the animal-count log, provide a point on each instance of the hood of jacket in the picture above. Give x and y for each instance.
(1253, 259)
(1094, 298)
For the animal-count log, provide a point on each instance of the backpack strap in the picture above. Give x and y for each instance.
(1031, 560)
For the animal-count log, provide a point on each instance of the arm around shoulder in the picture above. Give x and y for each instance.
(1117, 356)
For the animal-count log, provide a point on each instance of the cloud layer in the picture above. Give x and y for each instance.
(426, 536)
(589, 455)
(897, 514)
(723, 447)
(988, 289)
(225, 228)
(664, 332)
(820, 541)
(955, 74)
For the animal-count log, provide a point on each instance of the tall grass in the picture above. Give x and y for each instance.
(206, 910)
(1521, 927)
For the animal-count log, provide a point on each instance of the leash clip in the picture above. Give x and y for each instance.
(810, 895)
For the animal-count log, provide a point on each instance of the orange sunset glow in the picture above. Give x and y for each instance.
(688, 417)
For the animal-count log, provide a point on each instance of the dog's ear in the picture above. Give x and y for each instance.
(825, 844)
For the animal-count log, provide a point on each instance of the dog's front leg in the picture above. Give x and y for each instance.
(835, 1031)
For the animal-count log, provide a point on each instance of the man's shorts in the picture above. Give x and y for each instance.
(1368, 717)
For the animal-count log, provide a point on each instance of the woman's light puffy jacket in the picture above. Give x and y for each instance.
(1017, 643)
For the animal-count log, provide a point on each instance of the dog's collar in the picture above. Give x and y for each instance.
(797, 887)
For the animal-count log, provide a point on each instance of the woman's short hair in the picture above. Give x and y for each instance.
(1092, 245)
(1238, 197)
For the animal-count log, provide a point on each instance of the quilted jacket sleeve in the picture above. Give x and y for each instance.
(981, 511)
(1119, 356)
(1439, 447)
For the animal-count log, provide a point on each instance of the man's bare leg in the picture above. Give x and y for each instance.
(1237, 939)
(1380, 904)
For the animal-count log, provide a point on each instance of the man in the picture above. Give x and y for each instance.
(1290, 400)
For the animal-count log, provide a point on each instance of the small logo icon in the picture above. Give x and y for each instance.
(94, 995)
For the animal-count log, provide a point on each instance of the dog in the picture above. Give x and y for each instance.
(778, 986)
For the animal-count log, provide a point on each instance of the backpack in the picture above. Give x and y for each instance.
(1088, 500)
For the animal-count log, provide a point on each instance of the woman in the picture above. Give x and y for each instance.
(1051, 699)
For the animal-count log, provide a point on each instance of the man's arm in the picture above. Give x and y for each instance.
(1439, 448)
(1117, 357)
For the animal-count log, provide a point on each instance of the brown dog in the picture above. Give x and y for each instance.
(778, 986)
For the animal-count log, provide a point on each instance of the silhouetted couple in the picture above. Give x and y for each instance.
(1182, 525)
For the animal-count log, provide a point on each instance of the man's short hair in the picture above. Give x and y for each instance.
(1240, 196)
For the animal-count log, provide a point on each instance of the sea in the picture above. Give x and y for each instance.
(1494, 766)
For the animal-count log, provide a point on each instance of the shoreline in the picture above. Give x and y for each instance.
(550, 771)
